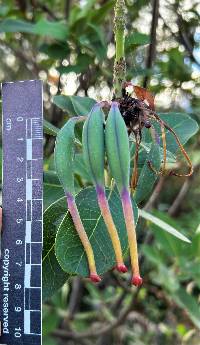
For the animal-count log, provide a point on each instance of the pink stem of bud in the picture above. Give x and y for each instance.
(83, 237)
(106, 214)
(130, 226)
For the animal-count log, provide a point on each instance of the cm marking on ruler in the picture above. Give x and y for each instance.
(21, 247)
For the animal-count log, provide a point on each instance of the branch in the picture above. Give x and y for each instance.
(37, 4)
(94, 333)
(152, 46)
(22, 57)
(183, 39)
(67, 8)
(182, 193)
(75, 297)
(155, 195)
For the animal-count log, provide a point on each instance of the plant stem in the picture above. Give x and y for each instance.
(120, 63)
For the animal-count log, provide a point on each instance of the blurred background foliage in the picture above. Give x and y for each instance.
(70, 46)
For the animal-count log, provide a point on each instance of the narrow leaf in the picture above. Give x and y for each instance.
(74, 105)
(64, 155)
(188, 303)
(163, 225)
(56, 30)
(50, 129)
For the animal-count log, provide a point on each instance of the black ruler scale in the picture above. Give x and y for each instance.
(21, 242)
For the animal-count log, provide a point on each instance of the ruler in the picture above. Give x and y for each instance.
(21, 242)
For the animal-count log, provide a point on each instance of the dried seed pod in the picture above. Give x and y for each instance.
(94, 150)
(64, 160)
(117, 149)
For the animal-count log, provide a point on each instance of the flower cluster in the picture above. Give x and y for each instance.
(101, 136)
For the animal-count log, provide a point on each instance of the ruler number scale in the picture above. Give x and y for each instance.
(21, 247)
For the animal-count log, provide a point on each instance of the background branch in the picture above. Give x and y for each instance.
(152, 47)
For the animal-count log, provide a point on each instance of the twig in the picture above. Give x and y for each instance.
(182, 193)
(152, 46)
(183, 40)
(179, 198)
(155, 195)
(20, 55)
(94, 333)
(67, 8)
(37, 4)
(75, 297)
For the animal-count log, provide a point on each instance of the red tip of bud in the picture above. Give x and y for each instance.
(122, 268)
(95, 278)
(137, 280)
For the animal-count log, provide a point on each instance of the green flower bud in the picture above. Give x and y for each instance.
(93, 151)
(64, 163)
(117, 147)
(93, 144)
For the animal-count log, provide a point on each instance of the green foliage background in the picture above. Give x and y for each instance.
(70, 46)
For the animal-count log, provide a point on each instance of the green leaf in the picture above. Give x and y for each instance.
(15, 25)
(4, 10)
(147, 177)
(52, 188)
(163, 225)
(53, 276)
(49, 341)
(98, 15)
(80, 168)
(171, 158)
(50, 321)
(64, 155)
(69, 250)
(74, 105)
(188, 303)
(136, 39)
(82, 63)
(56, 30)
(56, 50)
(50, 129)
(183, 125)
(71, 68)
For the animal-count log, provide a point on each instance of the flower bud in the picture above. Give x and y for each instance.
(64, 160)
(93, 151)
(117, 148)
